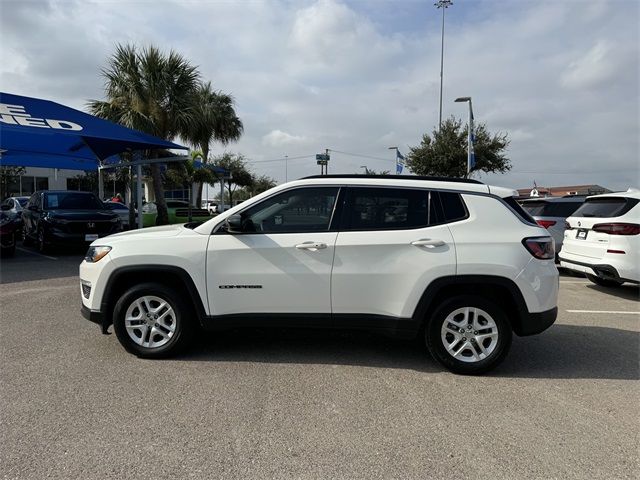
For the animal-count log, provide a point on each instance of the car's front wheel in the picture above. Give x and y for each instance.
(468, 335)
(604, 283)
(151, 321)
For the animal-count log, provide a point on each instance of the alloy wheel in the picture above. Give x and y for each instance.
(469, 334)
(150, 321)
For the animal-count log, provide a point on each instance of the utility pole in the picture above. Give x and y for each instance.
(326, 166)
(286, 168)
(443, 4)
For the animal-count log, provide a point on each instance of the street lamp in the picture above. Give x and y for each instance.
(443, 4)
(471, 158)
(365, 168)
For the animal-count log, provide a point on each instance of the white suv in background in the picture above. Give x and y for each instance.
(454, 261)
(602, 239)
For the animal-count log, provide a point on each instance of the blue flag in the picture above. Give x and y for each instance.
(399, 162)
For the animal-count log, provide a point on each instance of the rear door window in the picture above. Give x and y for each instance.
(605, 207)
(370, 208)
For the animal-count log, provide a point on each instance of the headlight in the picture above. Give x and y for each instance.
(115, 219)
(95, 254)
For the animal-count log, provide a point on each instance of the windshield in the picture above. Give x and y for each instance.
(23, 201)
(72, 201)
(605, 207)
(551, 209)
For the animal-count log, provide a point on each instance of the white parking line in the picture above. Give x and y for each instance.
(586, 282)
(604, 311)
(36, 253)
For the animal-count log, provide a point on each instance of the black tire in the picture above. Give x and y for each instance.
(10, 251)
(42, 242)
(183, 317)
(436, 346)
(604, 283)
(26, 240)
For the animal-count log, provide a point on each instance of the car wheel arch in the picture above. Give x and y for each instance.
(122, 278)
(490, 286)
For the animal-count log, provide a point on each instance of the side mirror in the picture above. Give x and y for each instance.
(234, 223)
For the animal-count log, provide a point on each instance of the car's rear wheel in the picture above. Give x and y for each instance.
(604, 282)
(26, 239)
(152, 321)
(468, 335)
(42, 241)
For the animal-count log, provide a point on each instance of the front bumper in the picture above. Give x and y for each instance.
(95, 317)
(61, 238)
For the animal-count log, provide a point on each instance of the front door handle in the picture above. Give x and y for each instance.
(428, 242)
(313, 246)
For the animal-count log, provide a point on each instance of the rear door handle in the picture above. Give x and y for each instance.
(313, 246)
(428, 242)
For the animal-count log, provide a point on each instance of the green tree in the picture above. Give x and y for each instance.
(186, 174)
(258, 185)
(215, 119)
(371, 171)
(236, 165)
(444, 153)
(150, 91)
(8, 175)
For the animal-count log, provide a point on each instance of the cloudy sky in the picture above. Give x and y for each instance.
(560, 77)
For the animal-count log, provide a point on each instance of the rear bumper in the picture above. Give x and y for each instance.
(533, 323)
(600, 270)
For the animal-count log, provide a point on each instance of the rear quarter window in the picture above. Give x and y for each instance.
(519, 211)
(453, 207)
(605, 207)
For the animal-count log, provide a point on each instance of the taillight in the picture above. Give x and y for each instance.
(617, 228)
(540, 247)
(546, 223)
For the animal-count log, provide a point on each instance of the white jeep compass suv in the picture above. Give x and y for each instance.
(454, 261)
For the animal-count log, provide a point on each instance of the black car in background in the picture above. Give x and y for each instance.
(61, 217)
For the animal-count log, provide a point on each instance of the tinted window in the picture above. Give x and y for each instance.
(389, 209)
(519, 211)
(71, 201)
(452, 206)
(299, 210)
(22, 201)
(605, 207)
(551, 209)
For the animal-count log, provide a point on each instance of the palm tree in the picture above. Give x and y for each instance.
(150, 91)
(187, 173)
(215, 120)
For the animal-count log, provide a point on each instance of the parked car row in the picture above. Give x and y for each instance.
(598, 236)
(62, 217)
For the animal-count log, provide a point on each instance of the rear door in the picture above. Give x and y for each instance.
(392, 244)
(582, 240)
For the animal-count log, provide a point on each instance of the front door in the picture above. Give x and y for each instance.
(281, 262)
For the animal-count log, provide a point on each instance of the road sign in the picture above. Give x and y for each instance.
(322, 158)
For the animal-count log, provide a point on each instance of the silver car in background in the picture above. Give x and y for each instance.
(552, 212)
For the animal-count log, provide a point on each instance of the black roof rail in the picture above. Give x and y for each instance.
(398, 177)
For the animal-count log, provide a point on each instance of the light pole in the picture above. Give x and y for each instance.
(366, 170)
(286, 168)
(471, 159)
(443, 4)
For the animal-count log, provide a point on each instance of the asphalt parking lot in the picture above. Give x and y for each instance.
(310, 405)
